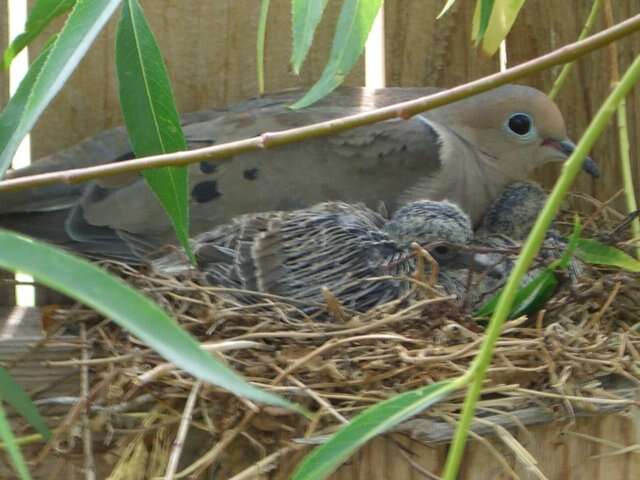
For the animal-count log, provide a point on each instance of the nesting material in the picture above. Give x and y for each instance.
(562, 362)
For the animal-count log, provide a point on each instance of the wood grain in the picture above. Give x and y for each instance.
(209, 49)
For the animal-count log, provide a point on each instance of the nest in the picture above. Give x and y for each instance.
(558, 363)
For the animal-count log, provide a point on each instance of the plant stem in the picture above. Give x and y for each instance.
(566, 69)
(262, 30)
(623, 131)
(627, 175)
(571, 168)
(269, 140)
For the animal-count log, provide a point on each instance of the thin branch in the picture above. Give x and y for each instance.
(87, 442)
(566, 70)
(178, 444)
(273, 139)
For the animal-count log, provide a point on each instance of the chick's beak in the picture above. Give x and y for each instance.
(567, 147)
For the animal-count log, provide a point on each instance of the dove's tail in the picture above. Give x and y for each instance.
(50, 227)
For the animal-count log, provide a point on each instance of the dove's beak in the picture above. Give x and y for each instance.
(566, 147)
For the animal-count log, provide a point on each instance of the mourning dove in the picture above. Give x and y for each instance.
(505, 226)
(466, 152)
(355, 253)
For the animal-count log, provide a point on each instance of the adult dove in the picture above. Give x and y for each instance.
(466, 152)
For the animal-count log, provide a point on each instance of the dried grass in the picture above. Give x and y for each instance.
(555, 364)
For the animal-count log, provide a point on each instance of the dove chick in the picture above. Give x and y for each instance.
(351, 250)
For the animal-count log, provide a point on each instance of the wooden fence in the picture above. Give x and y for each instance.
(209, 47)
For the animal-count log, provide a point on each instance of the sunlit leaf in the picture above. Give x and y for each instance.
(150, 114)
(67, 49)
(42, 13)
(592, 251)
(503, 16)
(12, 393)
(113, 298)
(481, 17)
(11, 446)
(373, 421)
(14, 111)
(305, 18)
(446, 8)
(354, 25)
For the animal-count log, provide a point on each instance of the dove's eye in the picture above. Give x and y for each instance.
(521, 124)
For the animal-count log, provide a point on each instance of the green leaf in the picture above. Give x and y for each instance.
(535, 294)
(15, 109)
(150, 114)
(481, 17)
(11, 446)
(13, 393)
(67, 49)
(565, 259)
(502, 18)
(113, 298)
(43, 12)
(262, 32)
(592, 251)
(354, 24)
(305, 17)
(373, 421)
(529, 298)
(446, 8)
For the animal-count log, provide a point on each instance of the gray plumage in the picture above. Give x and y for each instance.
(465, 152)
(349, 249)
(505, 226)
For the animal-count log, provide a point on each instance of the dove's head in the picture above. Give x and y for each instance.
(426, 221)
(518, 128)
(514, 212)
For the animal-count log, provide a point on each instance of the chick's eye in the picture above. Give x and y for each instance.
(520, 123)
(441, 250)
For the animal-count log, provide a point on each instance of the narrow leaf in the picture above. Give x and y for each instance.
(446, 8)
(592, 251)
(372, 422)
(11, 446)
(481, 17)
(42, 13)
(535, 294)
(565, 259)
(13, 393)
(150, 114)
(354, 25)
(262, 32)
(305, 17)
(529, 298)
(502, 18)
(113, 298)
(15, 109)
(83, 25)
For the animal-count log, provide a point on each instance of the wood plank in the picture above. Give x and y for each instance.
(424, 51)
(26, 357)
(209, 48)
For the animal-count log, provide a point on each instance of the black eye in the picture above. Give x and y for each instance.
(520, 123)
(441, 252)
